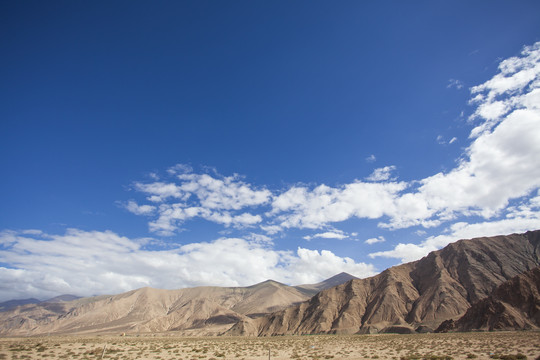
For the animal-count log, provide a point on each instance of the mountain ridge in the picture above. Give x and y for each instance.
(426, 292)
(203, 310)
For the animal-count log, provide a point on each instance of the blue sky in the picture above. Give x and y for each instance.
(173, 144)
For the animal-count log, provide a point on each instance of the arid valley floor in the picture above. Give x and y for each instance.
(480, 346)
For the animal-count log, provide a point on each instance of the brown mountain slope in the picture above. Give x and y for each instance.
(513, 305)
(426, 292)
(149, 309)
(200, 310)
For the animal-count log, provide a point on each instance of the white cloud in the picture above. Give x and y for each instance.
(382, 174)
(271, 229)
(518, 77)
(179, 169)
(442, 141)
(313, 209)
(310, 265)
(518, 219)
(136, 209)
(376, 240)
(453, 83)
(371, 158)
(334, 234)
(159, 191)
(86, 263)
(189, 195)
(229, 193)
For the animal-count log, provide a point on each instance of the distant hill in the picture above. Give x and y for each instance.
(11, 304)
(63, 298)
(194, 311)
(335, 280)
(424, 293)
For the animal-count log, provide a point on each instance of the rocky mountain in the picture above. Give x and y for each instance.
(443, 285)
(199, 311)
(515, 304)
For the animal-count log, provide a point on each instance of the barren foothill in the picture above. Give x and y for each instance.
(479, 345)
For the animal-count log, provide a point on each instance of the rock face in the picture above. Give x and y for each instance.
(195, 311)
(513, 305)
(440, 286)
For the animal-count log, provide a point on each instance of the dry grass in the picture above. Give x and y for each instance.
(480, 346)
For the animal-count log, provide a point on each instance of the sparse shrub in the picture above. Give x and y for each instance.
(518, 356)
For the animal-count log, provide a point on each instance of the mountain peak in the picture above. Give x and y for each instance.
(335, 280)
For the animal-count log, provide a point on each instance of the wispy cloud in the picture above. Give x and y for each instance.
(333, 234)
(442, 141)
(453, 83)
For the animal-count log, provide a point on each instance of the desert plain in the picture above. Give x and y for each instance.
(475, 345)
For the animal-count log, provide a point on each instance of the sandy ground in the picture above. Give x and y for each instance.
(496, 345)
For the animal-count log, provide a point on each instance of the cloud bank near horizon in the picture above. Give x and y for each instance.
(87, 263)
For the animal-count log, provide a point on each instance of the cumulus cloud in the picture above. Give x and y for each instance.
(515, 86)
(136, 209)
(188, 195)
(86, 263)
(518, 219)
(227, 193)
(376, 240)
(304, 208)
(381, 174)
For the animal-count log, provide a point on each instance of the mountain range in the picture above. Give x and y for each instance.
(12, 304)
(488, 283)
(414, 296)
(192, 311)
